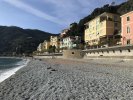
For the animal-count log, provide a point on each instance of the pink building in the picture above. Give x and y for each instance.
(127, 28)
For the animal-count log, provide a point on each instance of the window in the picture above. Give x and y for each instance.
(116, 32)
(128, 41)
(128, 18)
(116, 24)
(97, 33)
(113, 51)
(87, 26)
(128, 29)
(115, 18)
(129, 50)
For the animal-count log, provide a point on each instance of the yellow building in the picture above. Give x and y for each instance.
(46, 45)
(55, 41)
(43, 46)
(101, 29)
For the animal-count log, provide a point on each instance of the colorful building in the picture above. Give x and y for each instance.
(101, 30)
(43, 46)
(46, 45)
(55, 41)
(127, 28)
(39, 48)
(70, 42)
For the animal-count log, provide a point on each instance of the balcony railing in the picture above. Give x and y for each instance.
(103, 18)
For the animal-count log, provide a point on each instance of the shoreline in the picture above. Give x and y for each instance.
(66, 79)
(5, 74)
(15, 57)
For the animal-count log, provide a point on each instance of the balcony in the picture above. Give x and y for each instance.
(105, 18)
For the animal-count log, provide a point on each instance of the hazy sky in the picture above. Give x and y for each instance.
(47, 15)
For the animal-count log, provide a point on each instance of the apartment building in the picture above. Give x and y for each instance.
(70, 42)
(127, 28)
(55, 41)
(101, 31)
(39, 48)
(46, 45)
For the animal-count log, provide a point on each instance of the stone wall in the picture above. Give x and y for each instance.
(54, 55)
(120, 52)
(124, 52)
(73, 54)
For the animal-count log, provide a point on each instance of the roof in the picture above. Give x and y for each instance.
(71, 37)
(127, 13)
(99, 16)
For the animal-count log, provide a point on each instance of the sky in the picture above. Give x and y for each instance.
(47, 15)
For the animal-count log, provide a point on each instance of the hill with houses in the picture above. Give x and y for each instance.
(78, 28)
(18, 40)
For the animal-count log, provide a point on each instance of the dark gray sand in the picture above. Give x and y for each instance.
(60, 79)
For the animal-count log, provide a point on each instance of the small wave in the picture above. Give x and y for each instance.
(22, 62)
(7, 73)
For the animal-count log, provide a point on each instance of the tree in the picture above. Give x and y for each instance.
(52, 49)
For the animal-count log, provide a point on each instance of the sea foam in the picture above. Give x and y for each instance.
(7, 73)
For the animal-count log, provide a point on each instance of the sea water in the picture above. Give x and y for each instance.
(8, 66)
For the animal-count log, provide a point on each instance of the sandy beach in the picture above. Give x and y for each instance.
(67, 79)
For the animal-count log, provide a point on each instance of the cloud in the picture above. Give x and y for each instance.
(62, 12)
(34, 11)
(74, 10)
(70, 10)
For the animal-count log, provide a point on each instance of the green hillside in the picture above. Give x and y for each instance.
(15, 39)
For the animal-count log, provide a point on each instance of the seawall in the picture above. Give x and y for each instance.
(120, 52)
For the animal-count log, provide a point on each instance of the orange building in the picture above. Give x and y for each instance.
(127, 28)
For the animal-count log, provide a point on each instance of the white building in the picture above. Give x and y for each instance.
(39, 48)
(71, 42)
